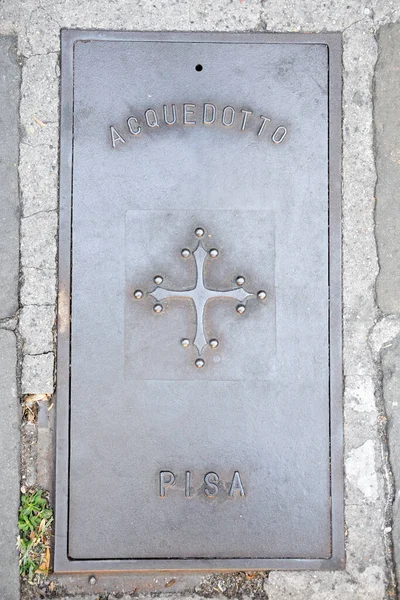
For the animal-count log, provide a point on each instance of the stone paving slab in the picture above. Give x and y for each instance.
(37, 373)
(9, 467)
(387, 138)
(36, 328)
(387, 135)
(9, 273)
(9, 204)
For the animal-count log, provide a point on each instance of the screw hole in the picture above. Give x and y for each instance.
(199, 67)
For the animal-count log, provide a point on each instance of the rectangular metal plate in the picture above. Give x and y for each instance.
(174, 454)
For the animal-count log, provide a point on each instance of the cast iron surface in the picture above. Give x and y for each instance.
(238, 464)
(200, 294)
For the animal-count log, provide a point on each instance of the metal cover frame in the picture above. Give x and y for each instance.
(337, 559)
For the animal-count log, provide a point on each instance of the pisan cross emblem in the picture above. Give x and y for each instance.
(200, 294)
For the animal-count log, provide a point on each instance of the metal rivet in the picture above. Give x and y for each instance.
(185, 342)
(92, 580)
(158, 279)
(185, 252)
(213, 343)
(240, 280)
(199, 232)
(261, 295)
(214, 252)
(240, 308)
(158, 308)
(199, 363)
(138, 294)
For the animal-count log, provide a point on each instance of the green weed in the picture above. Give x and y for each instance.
(34, 521)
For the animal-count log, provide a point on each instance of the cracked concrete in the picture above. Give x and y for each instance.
(37, 180)
(391, 386)
(371, 319)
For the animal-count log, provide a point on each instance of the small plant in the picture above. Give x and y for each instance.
(34, 521)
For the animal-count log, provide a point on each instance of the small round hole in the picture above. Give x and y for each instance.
(199, 67)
